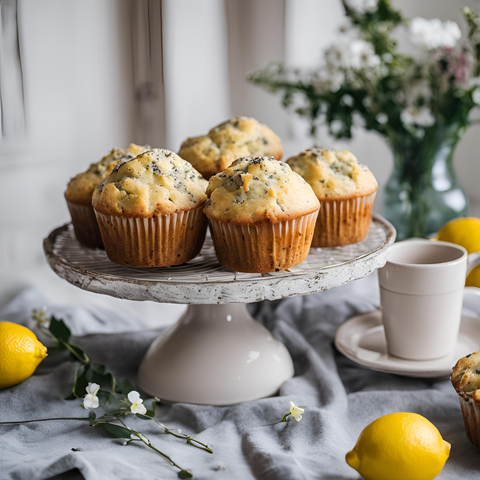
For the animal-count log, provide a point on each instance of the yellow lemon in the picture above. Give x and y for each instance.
(464, 232)
(20, 354)
(399, 446)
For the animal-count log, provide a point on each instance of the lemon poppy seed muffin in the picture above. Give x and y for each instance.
(346, 190)
(466, 381)
(261, 215)
(149, 210)
(235, 138)
(80, 189)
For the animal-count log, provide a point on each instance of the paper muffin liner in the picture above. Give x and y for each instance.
(85, 225)
(158, 241)
(471, 417)
(264, 248)
(343, 222)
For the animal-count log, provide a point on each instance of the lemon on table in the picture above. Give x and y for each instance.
(20, 354)
(464, 232)
(399, 446)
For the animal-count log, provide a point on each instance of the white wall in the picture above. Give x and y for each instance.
(80, 100)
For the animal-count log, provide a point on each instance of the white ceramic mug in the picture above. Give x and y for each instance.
(421, 291)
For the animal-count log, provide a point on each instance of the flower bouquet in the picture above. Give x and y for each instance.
(417, 92)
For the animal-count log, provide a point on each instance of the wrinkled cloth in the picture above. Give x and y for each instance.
(340, 399)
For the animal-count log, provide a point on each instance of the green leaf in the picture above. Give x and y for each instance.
(109, 402)
(151, 406)
(184, 474)
(144, 417)
(125, 387)
(59, 330)
(105, 380)
(78, 353)
(80, 382)
(91, 415)
(117, 430)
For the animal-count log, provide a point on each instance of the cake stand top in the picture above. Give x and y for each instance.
(204, 281)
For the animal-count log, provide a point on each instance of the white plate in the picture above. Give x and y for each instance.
(362, 340)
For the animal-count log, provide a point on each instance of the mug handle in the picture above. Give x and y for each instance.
(473, 261)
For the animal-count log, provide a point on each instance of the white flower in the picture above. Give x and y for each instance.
(328, 80)
(387, 57)
(352, 53)
(137, 403)
(475, 82)
(296, 412)
(336, 127)
(91, 399)
(434, 33)
(382, 118)
(347, 100)
(362, 6)
(40, 316)
(414, 115)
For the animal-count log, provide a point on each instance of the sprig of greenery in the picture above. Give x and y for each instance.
(379, 94)
(112, 401)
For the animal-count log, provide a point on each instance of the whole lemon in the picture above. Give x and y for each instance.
(464, 232)
(399, 446)
(20, 354)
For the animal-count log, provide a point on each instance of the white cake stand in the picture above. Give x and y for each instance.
(217, 354)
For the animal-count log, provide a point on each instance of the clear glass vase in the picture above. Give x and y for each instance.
(423, 192)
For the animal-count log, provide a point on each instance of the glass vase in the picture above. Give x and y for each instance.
(423, 192)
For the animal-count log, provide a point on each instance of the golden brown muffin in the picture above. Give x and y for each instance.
(80, 189)
(150, 210)
(235, 138)
(261, 214)
(346, 190)
(466, 381)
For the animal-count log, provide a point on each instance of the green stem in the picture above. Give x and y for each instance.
(191, 441)
(45, 420)
(149, 445)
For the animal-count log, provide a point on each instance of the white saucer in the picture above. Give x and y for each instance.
(362, 340)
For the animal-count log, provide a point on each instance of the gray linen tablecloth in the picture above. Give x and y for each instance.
(340, 399)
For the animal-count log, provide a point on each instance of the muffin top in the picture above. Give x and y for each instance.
(334, 174)
(156, 182)
(466, 376)
(81, 187)
(235, 138)
(258, 191)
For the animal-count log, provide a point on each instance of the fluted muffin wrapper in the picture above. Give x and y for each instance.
(85, 225)
(471, 417)
(343, 222)
(158, 241)
(264, 248)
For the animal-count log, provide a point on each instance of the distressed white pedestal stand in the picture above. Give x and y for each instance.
(217, 354)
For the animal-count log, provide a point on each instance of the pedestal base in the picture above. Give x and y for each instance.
(215, 355)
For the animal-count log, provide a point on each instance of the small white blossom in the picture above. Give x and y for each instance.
(296, 412)
(347, 100)
(387, 57)
(362, 6)
(414, 115)
(382, 118)
(40, 316)
(352, 53)
(336, 127)
(475, 82)
(137, 403)
(91, 399)
(434, 33)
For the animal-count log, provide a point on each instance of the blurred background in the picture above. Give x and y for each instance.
(79, 78)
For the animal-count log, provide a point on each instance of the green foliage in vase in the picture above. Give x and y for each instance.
(369, 78)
